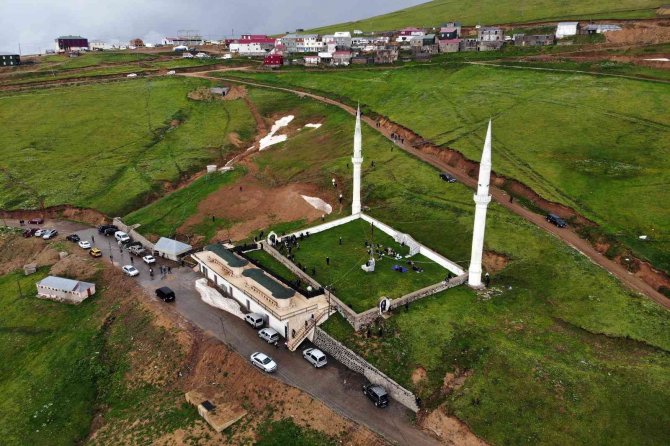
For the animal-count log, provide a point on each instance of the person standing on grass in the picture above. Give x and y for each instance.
(327, 260)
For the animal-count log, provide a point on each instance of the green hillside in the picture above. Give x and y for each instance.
(498, 11)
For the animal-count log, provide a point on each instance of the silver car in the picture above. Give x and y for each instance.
(269, 335)
(263, 362)
(315, 357)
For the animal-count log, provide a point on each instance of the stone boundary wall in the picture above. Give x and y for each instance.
(287, 263)
(324, 226)
(354, 362)
(432, 255)
(428, 291)
(130, 230)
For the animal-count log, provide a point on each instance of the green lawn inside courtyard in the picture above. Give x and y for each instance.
(349, 282)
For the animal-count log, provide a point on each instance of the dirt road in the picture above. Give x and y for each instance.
(567, 235)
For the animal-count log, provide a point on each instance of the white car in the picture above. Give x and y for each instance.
(315, 357)
(263, 362)
(132, 75)
(39, 232)
(130, 270)
(84, 244)
(149, 259)
(171, 73)
(269, 335)
(121, 236)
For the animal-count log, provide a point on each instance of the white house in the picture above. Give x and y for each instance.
(565, 29)
(171, 249)
(99, 45)
(312, 60)
(283, 308)
(407, 34)
(252, 45)
(64, 290)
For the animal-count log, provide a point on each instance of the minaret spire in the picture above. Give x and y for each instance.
(482, 200)
(357, 161)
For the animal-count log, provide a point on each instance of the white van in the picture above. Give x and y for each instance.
(121, 236)
(315, 357)
(254, 319)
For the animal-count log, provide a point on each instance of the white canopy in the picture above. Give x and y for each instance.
(171, 248)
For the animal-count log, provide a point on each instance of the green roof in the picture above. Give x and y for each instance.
(227, 255)
(278, 290)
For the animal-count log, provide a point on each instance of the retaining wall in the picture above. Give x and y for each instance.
(130, 230)
(354, 362)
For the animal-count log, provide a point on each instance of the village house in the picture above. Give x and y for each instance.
(599, 28)
(424, 44)
(449, 46)
(469, 44)
(362, 60)
(9, 59)
(188, 41)
(490, 38)
(252, 45)
(71, 43)
(312, 59)
(450, 30)
(342, 40)
(341, 58)
(386, 55)
(407, 34)
(61, 289)
(301, 43)
(566, 29)
(273, 60)
(534, 40)
(283, 308)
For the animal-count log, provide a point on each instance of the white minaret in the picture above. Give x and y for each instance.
(482, 200)
(357, 160)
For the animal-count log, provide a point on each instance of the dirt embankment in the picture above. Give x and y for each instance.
(60, 212)
(659, 280)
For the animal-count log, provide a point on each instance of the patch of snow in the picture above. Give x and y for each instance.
(270, 138)
(212, 297)
(643, 237)
(312, 126)
(659, 59)
(318, 203)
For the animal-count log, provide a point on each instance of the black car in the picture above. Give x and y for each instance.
(103, 228)
(377, 394)
(73, 238)
(449, 178)
(110, 230)
(556, 220)
(165, 294)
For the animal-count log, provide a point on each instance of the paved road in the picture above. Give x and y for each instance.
(568, 235)
(335, 385)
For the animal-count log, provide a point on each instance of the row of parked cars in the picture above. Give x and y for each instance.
(46, 234)
(376, 393)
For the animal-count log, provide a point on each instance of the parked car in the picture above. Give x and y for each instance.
(33, 231)
(73, 238)
(556, 220)
(269, 335)
(171, 73)
(377, 394)
(137, 250)
(110, 231)
(130, 270)
(84, 244)
(165, 294)
(263, 362)
(449, 178)
(121, 236)
(28, 233)
(315, 357)
(49, 233)
(36, 221)
(149, 259)
(95, 252)
(254, 319)
(103, 228)
(131, 75)
(38, 232)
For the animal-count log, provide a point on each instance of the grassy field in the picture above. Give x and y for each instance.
(110, 147)
(349, 282)
(434, 13)
(593, 143)
(60, 366)
(559, 353)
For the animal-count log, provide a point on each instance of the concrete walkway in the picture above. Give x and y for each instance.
(336, 386)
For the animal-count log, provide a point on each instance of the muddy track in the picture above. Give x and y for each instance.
(647, 280)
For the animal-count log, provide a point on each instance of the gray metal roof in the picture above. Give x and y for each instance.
(61, 283)
(171, 247)
(227, 255)
(278, 290)
(71, 37)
